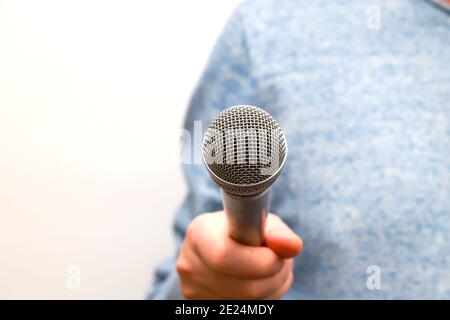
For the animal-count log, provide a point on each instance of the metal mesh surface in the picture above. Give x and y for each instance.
(243, 149)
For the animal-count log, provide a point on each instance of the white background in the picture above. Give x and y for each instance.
(92, 95)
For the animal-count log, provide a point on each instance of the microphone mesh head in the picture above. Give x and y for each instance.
(244, 150)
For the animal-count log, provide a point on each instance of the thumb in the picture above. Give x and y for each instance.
(281, 239)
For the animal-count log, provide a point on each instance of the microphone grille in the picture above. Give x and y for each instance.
(244, 150)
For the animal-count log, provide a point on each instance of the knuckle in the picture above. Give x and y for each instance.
(275, 216)
(284, 287)
(288, 283)
(291, 278)
(195, 224)
(183, 267)
(190, 230)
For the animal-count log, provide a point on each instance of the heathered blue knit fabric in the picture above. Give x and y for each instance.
(362, 91)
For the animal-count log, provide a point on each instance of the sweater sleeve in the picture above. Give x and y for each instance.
(227, 81)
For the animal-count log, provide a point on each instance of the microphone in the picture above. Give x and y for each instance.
(244, 150)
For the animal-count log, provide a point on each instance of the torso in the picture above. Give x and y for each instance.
(367, 118)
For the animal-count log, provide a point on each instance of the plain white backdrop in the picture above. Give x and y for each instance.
(92, 96)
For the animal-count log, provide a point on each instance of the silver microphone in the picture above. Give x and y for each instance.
(244, 150)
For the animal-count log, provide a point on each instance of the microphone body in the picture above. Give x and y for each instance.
(246, 217)
(244, 150)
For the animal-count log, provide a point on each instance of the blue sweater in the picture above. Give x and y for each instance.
(362, 92)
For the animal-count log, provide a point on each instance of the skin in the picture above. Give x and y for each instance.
(211, 265)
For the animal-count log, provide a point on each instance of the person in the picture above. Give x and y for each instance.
(361, 90)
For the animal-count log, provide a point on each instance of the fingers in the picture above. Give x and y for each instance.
(284, 288)
(213, 266)
(228, 287)
(189, 269)
(199, 281)
(281, 239)
(223, 254)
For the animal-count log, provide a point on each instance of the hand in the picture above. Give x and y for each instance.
(211, 265)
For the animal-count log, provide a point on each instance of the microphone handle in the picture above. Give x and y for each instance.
(246, 217)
